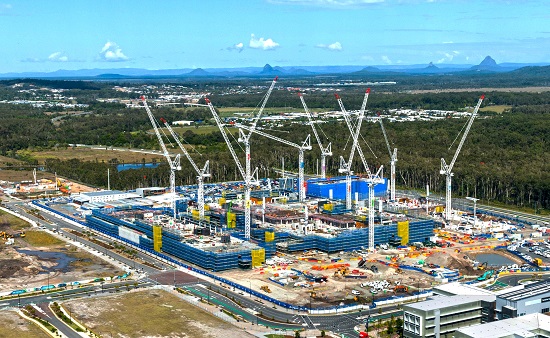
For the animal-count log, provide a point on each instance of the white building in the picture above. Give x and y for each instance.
(529, 326)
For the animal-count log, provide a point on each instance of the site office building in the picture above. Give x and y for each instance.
(441, 316)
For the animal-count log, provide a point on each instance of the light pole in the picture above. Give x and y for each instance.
(473, 199)
(250, 288)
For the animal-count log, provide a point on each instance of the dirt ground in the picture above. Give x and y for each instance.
(149, 313)
(14, 326)
(44, 258)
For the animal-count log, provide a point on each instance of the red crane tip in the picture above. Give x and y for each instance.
(368, 90)
(337, 96)
(162, 120)
(207, 100)
(142, 98)
(299, 94)
(276, 78)
(483, 96)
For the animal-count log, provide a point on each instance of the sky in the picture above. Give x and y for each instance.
(45, 36)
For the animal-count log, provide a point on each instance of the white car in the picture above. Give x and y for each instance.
(355, 292)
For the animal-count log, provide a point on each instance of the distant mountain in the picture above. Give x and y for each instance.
(369, 69)
(268, 70)
(538, 71)
(112, 76)
(199, 72)
(488, 64)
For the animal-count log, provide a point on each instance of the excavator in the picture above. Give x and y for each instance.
(265, 288)
(400, 288)
(488, 274)
(482, 266)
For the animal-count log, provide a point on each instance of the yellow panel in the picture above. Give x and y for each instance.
(206, 207)
(195, 213)
(403, 232)
(328, 206)
(269, 236)
(157, 238)
(221, 201)
(258, 257)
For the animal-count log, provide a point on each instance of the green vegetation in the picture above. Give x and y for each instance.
(14, 223)
(40, 238)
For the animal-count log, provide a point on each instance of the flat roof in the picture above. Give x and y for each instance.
(457, 288)
(520, 327)
(103, 193)
(530, 290)
(441, 302)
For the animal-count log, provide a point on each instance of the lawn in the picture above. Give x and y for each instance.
(88, 154)
(13, 326)
(40, 238)
(497, 109)
(151, 313)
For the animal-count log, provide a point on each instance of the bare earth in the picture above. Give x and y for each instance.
(14, 326)
(149, 313)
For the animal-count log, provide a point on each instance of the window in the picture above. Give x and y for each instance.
(411, 323)
(545, 310)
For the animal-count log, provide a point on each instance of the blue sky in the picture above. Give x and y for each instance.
(38, 35)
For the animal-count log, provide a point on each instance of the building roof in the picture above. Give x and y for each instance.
(441, 302)
(519, 327)
(530, 290)
(457, 288)
(103, 193)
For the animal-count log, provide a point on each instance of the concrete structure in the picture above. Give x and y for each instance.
(459, 289)
(521, 301)
(103, 196)
(440, 316)
(533, 325)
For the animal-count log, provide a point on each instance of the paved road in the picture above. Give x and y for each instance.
(514, 279)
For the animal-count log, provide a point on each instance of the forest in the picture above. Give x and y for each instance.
(505, 158)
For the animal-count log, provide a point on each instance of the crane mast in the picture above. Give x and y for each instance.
(324, 151)
(393, 160)
(174, 164)
(346, 166)
(447, 169)
(201, 173)
(306, 145)
(245, 138)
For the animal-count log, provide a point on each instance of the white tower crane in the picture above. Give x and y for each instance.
(201, 173)
(324, 151)
(393, 160)
(346, 167)
(173, 163)
(248, 176)
(447, 169)
(306, 145)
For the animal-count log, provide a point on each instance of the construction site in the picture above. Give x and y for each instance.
(320, 242)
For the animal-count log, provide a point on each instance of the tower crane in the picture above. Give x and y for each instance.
(173, 163)
(393, 159)
(324, 151)
(306, 145)
(372, 180)
(248, 177)
(245, 172)
(447, 169)
(201, 173)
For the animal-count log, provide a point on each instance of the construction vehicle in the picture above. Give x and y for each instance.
(374, 269)
(538, 262)
(265, 288)
(482, 266)
(398, 270)
(488, 274)
(400, 288)
(361, 262)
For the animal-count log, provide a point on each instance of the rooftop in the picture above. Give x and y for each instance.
(531, 290)
(514, 327)
(457, 288)
(441, 302)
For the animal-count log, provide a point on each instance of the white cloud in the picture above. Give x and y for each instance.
(337, 46)
(111, 52)
(386, 59)
(58, 57)
(327, 3)
(261, 43)
(447, 57)
(238, 47)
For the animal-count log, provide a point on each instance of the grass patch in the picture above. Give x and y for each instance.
(149, 313)
(15, 223)
(497, 108)
(88, 154)
(14, 326)
(202, 129)
(39, 238)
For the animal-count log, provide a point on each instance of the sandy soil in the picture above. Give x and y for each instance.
(149, 313)
(14, 326)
